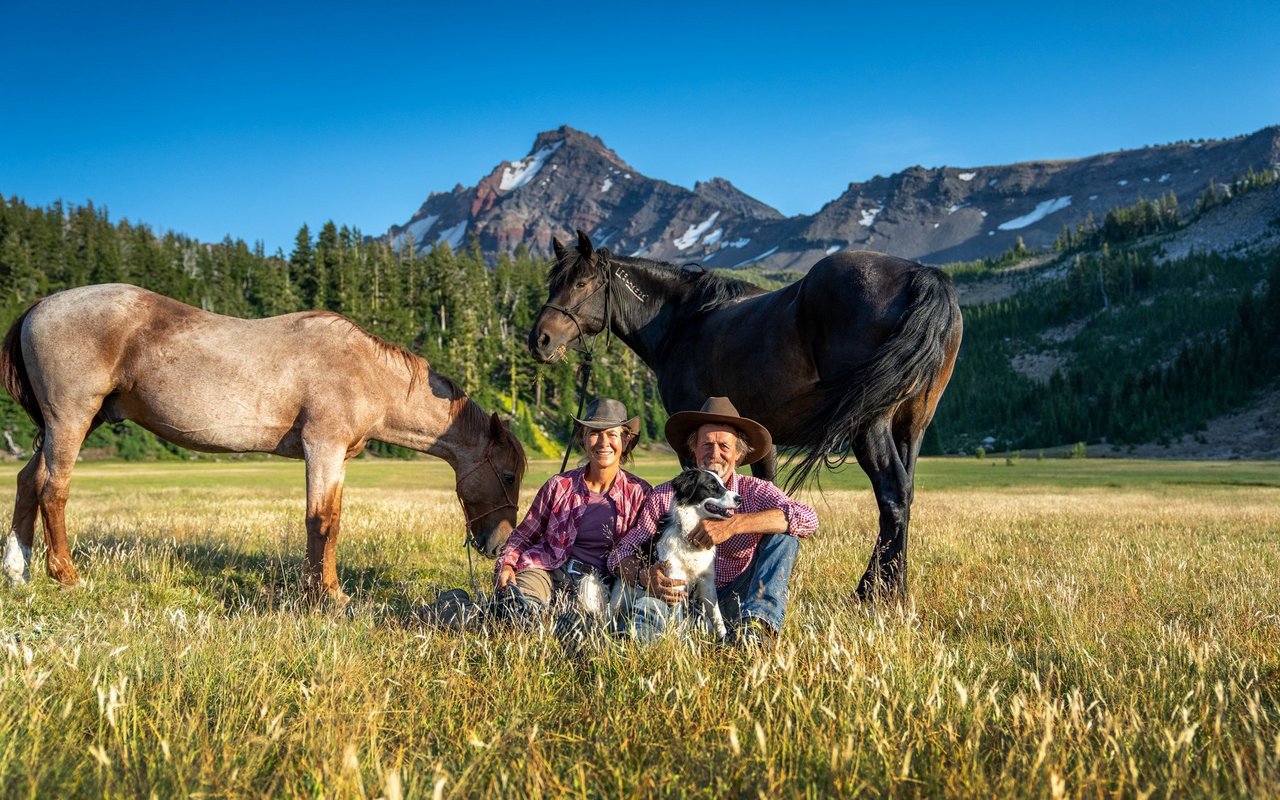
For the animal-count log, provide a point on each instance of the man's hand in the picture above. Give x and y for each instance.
(506, 577)
(711, 532)
(655, 581)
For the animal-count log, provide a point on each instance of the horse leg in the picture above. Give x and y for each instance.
(52, 478)
(878, 455)
(766, 469)
(326, 472)
(17, 551)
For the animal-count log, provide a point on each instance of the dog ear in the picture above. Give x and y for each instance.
(686, 483)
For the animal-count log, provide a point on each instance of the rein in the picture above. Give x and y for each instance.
(469, 539)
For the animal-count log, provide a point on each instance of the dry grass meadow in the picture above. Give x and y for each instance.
(1075, 628)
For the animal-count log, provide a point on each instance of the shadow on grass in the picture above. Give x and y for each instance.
(240, 581)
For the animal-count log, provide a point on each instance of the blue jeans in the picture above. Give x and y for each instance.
(760, 592)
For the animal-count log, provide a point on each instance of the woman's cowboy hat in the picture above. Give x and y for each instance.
(604, 413)
(718, 411)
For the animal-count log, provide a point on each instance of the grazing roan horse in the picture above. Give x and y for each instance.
(853, 356)
(311, 385)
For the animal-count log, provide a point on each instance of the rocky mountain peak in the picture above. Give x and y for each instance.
(570, 179)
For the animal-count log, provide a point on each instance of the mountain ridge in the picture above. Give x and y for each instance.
(571, 179)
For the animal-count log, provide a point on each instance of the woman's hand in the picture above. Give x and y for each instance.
(506, 577)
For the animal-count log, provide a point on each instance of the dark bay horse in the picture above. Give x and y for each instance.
(852, 357)
(311, 385)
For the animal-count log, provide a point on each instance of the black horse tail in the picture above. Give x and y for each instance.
(906, 364)
(13, 373)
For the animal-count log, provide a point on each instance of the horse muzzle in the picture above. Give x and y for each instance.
(543, 350)
(489, 543)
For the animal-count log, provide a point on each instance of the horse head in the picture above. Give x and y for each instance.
(489, 488)
(577, 302)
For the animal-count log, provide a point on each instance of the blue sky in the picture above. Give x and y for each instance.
(251, 119)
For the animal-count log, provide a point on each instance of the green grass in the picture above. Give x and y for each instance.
(1075, 628)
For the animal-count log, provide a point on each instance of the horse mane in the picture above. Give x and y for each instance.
(709, 290)
(414, 363)
(471, 419)
(706, 289)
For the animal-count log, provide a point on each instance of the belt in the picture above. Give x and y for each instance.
(577, 569)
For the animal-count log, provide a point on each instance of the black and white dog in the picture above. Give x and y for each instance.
(699, 495)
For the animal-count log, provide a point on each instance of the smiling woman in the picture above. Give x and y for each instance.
(560, 548)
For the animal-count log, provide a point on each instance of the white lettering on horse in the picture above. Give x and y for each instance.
(622, 276)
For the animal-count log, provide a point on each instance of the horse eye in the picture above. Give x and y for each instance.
(582, 285)
(509, 478)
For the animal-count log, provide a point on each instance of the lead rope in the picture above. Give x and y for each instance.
(587, 363)
(467, 536)
(471, 567)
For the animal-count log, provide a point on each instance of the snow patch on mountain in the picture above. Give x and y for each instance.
(522, 171)
(967, 176)
(1041, 211)
(760, 257)
(869, 216)
(417, 229)
(692, 235)
(453, 236)
(713, 237)
(606, 186)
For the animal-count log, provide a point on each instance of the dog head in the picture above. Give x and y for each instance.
(702, 489)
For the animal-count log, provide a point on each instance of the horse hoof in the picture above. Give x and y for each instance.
(336, 601)
(17, 562)
(880, 594)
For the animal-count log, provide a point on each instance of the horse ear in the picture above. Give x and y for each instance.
(496, 429)
(558, 249)
(584, 245)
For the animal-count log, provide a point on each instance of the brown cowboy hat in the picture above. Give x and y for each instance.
(604, 413)
(718, 411)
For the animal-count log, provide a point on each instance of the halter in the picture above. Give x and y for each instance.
(606, 328)
(587, 350)
(470, 541)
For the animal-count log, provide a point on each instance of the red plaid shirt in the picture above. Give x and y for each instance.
(545, 536)
(734, 555)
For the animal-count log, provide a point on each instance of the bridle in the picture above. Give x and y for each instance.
(471, 540)
(572, 313)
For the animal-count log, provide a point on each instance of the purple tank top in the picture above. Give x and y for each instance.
(595, 532)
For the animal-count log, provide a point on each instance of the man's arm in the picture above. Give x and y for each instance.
(714, 531)
(626, 562)
(642, 530)
(780, 514)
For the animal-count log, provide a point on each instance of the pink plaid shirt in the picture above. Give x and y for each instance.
(545, 536)
(734, 555)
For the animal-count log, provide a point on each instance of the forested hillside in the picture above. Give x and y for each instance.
(1102, 340)
(469, 322)
(1110, 339)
